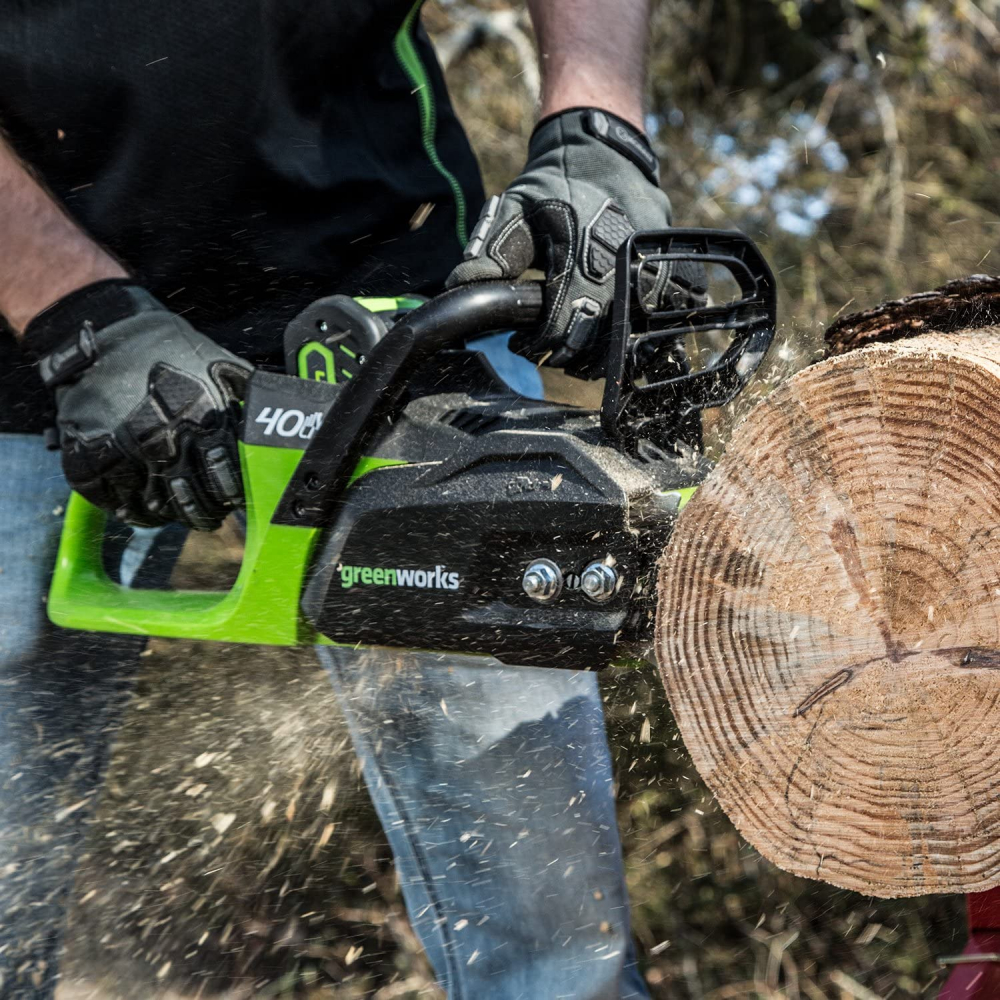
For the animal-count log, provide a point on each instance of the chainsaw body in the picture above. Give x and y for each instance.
(400, 494)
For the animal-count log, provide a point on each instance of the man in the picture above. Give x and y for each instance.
(177, 181)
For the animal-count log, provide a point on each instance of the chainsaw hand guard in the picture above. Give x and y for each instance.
(646, 399)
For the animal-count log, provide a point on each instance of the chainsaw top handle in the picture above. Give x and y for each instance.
(377, 393)
(646, 398)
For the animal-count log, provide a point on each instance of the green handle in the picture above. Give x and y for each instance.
(262, 606)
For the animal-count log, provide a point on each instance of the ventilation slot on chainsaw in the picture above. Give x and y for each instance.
(472, 421)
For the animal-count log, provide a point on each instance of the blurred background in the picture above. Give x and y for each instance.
(236, 854)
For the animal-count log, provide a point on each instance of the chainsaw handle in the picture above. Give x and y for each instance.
(260, 607)
(376, 394)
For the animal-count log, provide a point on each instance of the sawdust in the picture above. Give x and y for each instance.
(235, 847)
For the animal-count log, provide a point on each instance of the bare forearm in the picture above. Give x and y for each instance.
(593, 54)
(43, 253)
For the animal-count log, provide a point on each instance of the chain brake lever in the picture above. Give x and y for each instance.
(643, 404)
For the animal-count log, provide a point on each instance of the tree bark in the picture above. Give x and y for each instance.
(829, 617)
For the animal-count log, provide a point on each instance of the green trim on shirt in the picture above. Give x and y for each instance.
(409, 59)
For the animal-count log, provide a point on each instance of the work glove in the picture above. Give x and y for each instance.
(591, 180)
(147, 407)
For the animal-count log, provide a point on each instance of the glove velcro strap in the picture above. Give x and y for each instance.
(70, 358)
(620, 135)
(62, 337)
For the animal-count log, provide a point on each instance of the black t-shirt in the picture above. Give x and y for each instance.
(242, 157)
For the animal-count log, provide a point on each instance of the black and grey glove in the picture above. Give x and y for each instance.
(591, 180)
(147, 406)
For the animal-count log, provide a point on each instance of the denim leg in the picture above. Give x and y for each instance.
(494, 788)
(519, 373)
(61, 694)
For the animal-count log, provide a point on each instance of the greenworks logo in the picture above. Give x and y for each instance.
(438, 578)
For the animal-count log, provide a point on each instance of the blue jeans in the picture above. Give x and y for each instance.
(493, 783)
(494, 787)
(61, 694)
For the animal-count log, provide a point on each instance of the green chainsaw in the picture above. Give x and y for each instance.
(398, 493)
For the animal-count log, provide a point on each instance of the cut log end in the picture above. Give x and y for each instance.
(829, 620)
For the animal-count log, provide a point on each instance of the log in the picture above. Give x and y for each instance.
(828, 625)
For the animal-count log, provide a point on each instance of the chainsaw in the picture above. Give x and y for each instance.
(398, 493)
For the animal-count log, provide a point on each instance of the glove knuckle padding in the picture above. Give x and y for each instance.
(607, 231)
(93, 468)
(501, 245)
(230, 378)
(149, 428)
(222, 470)
(556, 222)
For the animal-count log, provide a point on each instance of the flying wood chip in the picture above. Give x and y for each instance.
(829, 607)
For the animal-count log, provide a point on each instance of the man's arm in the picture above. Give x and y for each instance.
(146, 406)
(44, 255)
(591, 179)
(593, 54)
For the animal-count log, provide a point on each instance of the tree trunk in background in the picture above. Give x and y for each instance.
(829, 617)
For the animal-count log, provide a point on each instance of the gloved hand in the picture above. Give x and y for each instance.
(147, 406)
(591, 180)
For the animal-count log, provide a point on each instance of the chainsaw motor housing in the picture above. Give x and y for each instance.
(436, 550)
